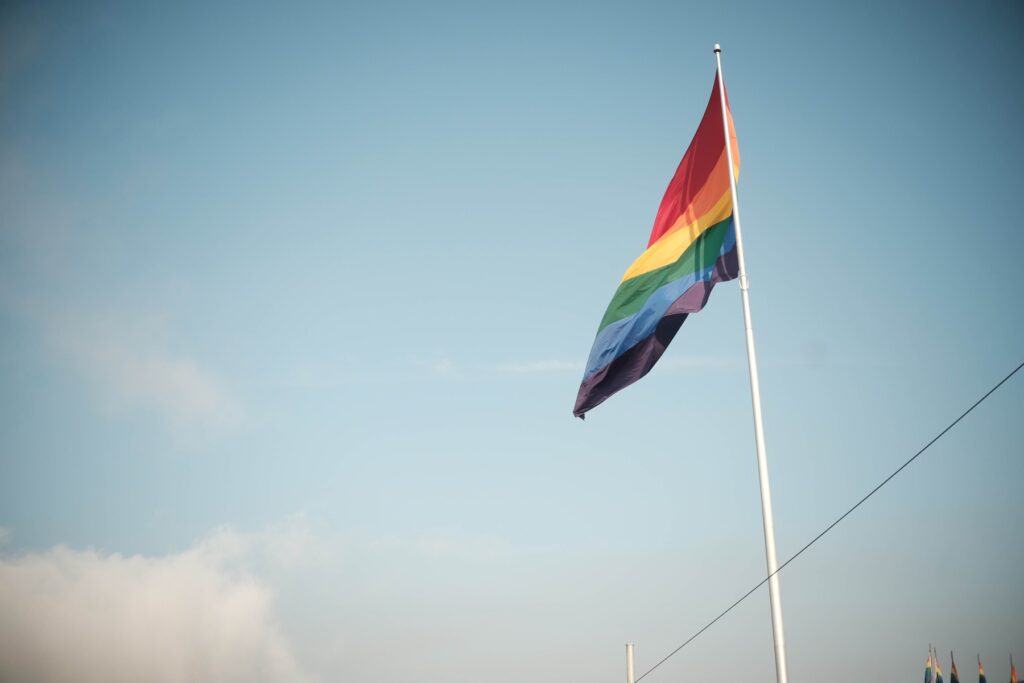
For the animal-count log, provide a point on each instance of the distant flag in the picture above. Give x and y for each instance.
(938, 669)
(981, 671)
(954, 677)
(1013, 671)
(692, 247)
(928, 667)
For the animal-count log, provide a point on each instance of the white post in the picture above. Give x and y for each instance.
(755, 395)
(629, 662)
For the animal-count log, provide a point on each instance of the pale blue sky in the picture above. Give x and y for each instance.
(335, 271)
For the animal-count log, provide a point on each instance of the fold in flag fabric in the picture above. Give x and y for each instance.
(692, 247)
(981, 671)
(954, 677)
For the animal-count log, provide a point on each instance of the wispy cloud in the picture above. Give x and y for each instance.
(687, 362)
(450, 545)
(532, 367)
(444, 366)
(448, 368)
(129, 363)
(298, 540)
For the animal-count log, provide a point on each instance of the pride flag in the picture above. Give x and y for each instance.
(981, 671)
(692, 247)
(1013, 671)
(954, 677)
(938, 669)
(928, 667)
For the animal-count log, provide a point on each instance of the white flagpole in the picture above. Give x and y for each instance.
(629, 663)
(755, 395)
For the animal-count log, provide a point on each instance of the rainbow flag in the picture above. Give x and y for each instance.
(954, 677)
(928, 667)
(938, 669)
(981, 671)
(1013, 671)
(692, 247)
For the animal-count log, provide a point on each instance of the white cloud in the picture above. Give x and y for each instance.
(88, 616)
(128, 362)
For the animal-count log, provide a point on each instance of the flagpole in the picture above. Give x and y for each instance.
(781, 673)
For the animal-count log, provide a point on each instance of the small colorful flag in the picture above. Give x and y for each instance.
(928, 667)
(981, 671)
(1013, 671)
(692, 247)
(938, 669)
(954, 677)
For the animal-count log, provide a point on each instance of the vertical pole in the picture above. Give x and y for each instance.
(755, 395)
(629, 663)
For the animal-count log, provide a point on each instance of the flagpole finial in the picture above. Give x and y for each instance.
(718, 48)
